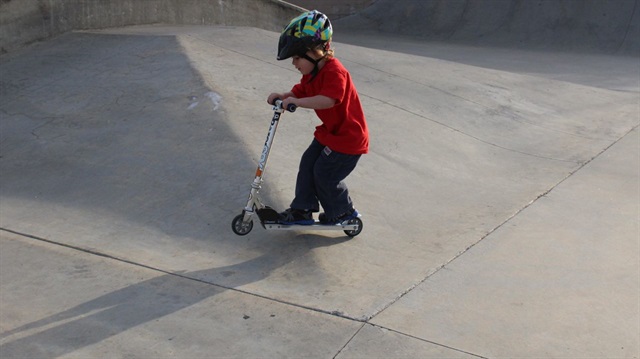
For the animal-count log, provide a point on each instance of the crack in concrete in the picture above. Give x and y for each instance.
(338, 314)
(544, 194)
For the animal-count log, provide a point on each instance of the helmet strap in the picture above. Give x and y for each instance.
(315, 65)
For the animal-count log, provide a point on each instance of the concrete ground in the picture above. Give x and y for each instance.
(500, 201)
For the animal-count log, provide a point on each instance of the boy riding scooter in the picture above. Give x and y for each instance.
(338, 143)
(340, 140)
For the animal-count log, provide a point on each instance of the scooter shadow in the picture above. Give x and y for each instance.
(149, 300)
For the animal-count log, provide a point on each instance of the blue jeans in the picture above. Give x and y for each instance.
(320, 180)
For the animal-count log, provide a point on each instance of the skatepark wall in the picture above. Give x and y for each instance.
(609, 26)
(25, 21)
(335, 9)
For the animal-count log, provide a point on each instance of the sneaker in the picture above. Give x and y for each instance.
(296, 216)
(339, 219)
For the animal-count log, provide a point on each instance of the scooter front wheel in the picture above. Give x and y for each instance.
(239, 227)
(354, 232)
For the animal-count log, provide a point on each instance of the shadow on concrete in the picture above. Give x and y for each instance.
(118, 311)
(122, 127)
(616, 72)
(115, 142)
(599, 26)
(593, 43)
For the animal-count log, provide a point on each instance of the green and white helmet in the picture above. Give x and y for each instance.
(304, 33)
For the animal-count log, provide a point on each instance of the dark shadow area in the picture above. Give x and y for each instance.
(612, 72)
(600, 26)
(28, 21)
(116, 144)
(120, 126)
(594, 43)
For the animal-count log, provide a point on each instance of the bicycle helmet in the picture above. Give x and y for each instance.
(304, 33)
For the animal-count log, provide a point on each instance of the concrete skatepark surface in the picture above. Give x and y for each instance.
(500, 202)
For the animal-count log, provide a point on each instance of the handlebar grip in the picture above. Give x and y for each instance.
(291, 107)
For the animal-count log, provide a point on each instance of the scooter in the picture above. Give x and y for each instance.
(242, 224)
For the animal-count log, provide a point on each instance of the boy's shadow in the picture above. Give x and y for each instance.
(126, 308)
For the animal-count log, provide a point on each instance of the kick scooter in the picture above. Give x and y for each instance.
(243, 223)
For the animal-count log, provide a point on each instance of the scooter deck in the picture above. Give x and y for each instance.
(269, 220)
(317, 226)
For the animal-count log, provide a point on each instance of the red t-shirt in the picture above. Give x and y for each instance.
(344, 127)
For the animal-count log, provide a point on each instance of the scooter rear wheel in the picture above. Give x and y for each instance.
(239, 227)
(354, 232)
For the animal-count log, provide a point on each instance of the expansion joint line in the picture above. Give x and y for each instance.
(178, 275)
(350, 340)
(364, 322)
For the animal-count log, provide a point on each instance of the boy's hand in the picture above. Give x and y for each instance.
(272, 97)
(289, 100)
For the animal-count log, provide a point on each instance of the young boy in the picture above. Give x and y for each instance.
(325, 87)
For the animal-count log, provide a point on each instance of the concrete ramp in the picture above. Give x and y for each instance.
(611, 26)
(500, 202)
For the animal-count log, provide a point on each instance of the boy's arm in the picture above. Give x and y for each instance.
(318, 102)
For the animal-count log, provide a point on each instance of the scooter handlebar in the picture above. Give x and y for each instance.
(291, 107)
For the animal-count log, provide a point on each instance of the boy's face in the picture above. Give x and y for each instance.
(303, 65)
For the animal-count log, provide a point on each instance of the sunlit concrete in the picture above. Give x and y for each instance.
(126, 153)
